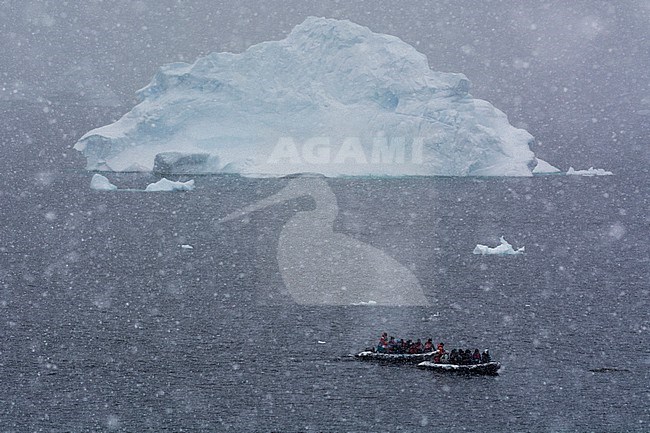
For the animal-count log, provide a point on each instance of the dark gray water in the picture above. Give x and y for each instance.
(108, 324)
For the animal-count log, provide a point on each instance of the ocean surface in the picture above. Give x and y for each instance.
(110, 324)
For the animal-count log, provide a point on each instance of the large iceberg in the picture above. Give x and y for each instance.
(332, 98)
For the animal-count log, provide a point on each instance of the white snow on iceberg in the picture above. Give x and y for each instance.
(590, 172)
(166, 185)
(332, 98)
(503, 249)
(101, 183)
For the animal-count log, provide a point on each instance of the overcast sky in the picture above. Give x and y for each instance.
(574, 73)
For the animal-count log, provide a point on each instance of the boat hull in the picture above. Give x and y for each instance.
(405, 358)
(486, 369)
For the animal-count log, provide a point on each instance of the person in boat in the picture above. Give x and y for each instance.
(468, 357)
(476, 357)
(416, 347)
(459, 357)
(382, 347)
(406, 348)
(440, 351)
(428, 346)
(392, 345)
(412, 350)
(453, 357)
(485, 357)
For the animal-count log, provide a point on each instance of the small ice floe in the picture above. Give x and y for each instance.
(591, 172)
(504, 249)
(101, 183)
(169, 186)
(187, 247)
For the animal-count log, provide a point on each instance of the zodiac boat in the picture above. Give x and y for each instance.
(394, 357)
(487, 369)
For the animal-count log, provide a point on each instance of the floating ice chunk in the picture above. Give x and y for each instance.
(544, 167)
(101, 183)
(169, 186)
(504, 249)
(591, 172)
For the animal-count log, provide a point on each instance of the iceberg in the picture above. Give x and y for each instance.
(333, 98)
(503, 249)
(170, 186)
(101, 183)
(590, 172)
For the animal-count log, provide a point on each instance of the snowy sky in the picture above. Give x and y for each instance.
(574, 73)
